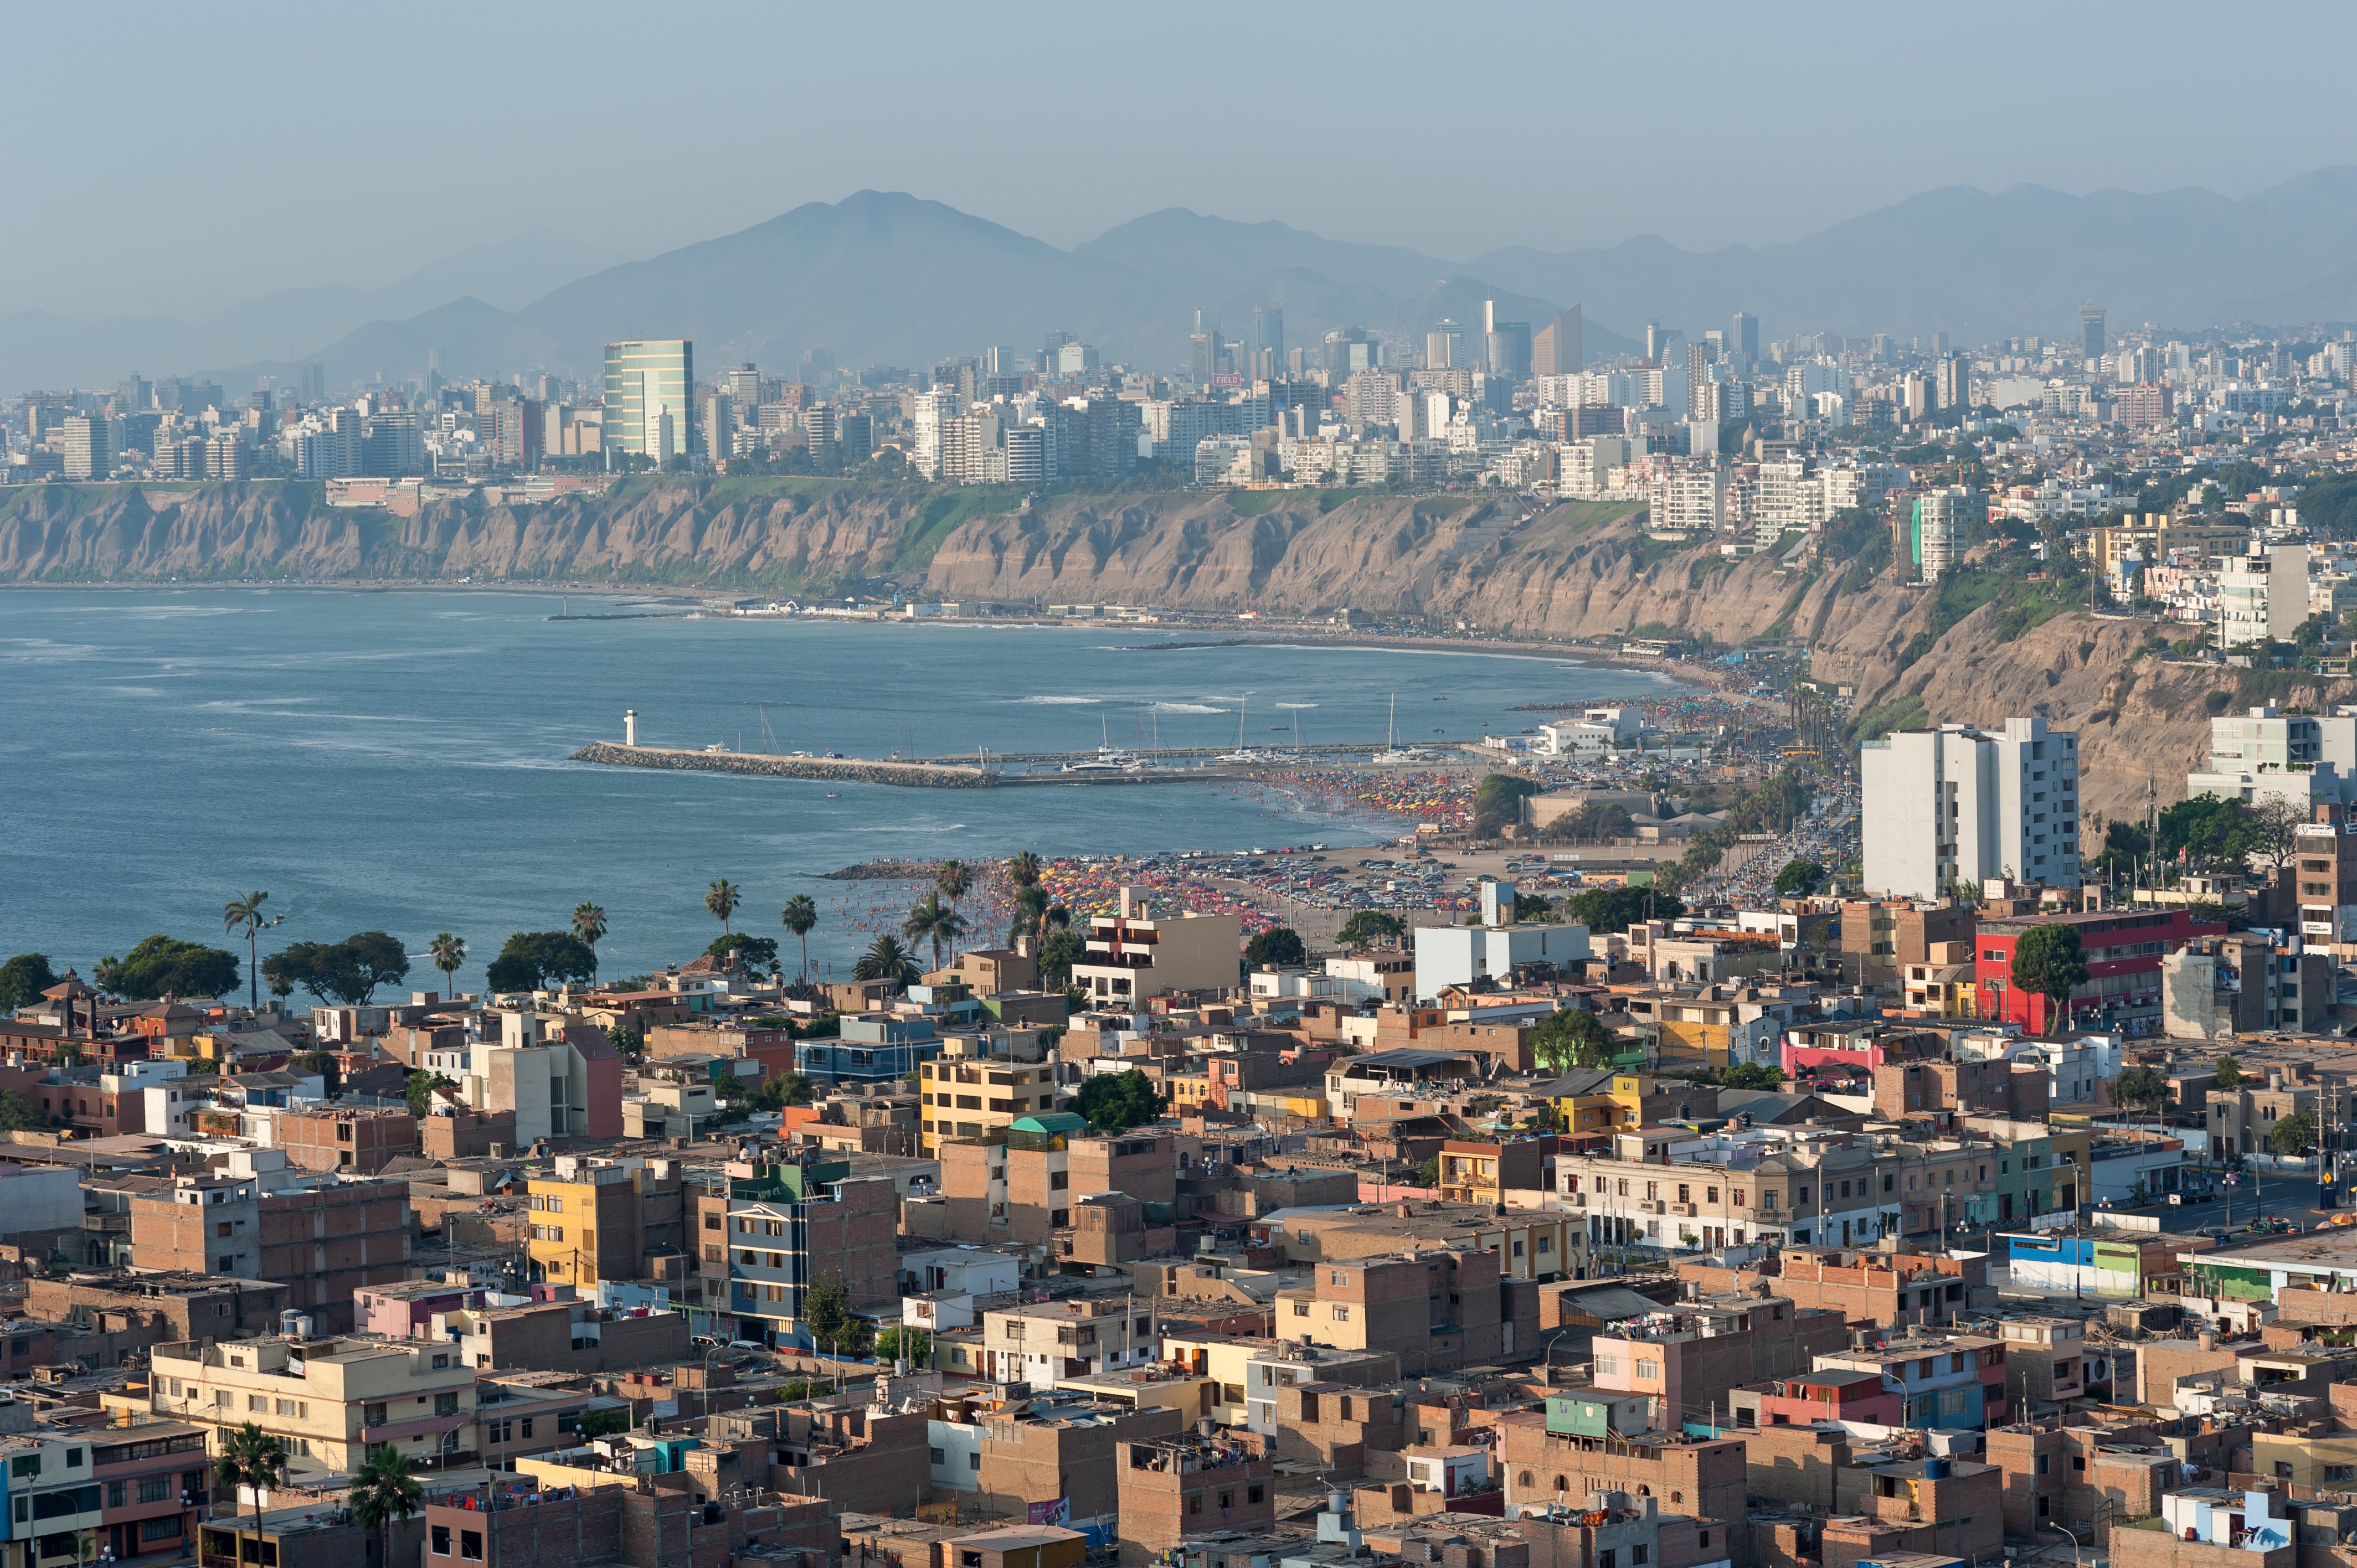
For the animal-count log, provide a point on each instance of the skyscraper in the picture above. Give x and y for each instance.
(1269, 329)
(648, 412)
(1507, 344)
(1557, 350)
(1444, 346)
(2090, 330)
(1743, 341)
(745, 385)
(1958, 804)
(89, 448)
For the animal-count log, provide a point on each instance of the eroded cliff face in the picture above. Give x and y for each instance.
(1496, 563)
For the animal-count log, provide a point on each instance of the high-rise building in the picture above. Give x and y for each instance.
(1700, 362)
(1743, 340)
(1937, 525)
(1506, 344)
(2090, 330)
(225, 457)
(1444, 346)
(1958, 805)
(1557, 350)
(89, 448)
(1269, 329)
(1952, 381)
(648, 386)
(745, 386)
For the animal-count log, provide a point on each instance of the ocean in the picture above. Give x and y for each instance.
(398, 760)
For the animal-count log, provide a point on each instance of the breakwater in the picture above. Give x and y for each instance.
(833, 770)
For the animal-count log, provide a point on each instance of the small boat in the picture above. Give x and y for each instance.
(835, 794)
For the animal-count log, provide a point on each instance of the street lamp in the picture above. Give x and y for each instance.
(2067, 1535)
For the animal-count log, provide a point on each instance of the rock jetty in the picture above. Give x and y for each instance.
(833, 770)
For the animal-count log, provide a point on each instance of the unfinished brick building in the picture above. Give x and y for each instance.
(1705, 1478)
(1188, 1484)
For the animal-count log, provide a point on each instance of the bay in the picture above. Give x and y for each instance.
(398, 760)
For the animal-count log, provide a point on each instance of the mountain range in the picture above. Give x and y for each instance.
(890, 278)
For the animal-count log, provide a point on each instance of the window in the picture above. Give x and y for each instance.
(446, 1405)
(470, 1545)
(155, 1489)
(1608, 1558)
(1254, 1494)
(1638, 1552)
(257, 1402)
(24, 1465)
(1649, 1371)
(223, 1228)
(165, 1529)
(1341, 1314)
(938, 1455)
(114, 1494)
(1194, 1505)
(712, 1222)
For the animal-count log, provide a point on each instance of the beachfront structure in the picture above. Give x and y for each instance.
(1133, 955)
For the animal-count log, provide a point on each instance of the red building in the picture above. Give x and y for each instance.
(1834, 1395)
(155, 1479)
(2121, 989)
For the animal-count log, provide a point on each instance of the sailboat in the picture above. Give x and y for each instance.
(1242, 753)
(1390, 751)
(1110, 758)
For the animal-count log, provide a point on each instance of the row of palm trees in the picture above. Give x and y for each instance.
(383, 1492)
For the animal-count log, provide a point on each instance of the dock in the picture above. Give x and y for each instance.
(929, 773)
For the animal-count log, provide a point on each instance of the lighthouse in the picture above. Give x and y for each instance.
(629, 727)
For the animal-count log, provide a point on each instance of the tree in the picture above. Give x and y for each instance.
(885, 958)
(1532, 907)
(899, 1343)
(2274, 824)
(589, 924)
(1117, 1102)
(419, 1091)
(384, 1494)
(1569, 1037)
(324, 1063)
(1056, 955)
(827, 1311)
(1498, 800)
(247, 912)
(1277, 948)
(17, 1112)
(530, 961)
(934, 921)
(2230, 1073)
(953, 881)
(603, 1423)
(722, 898)
(2142, 1086)
(1752, 1075)
(348, 972)
(786, 1088)
(753, 953)
(2291, 1136)
(250, 1457)
(2209, 830)
(1427, 1174)
(1023, 869)
(2050, 961)
(448, 953)
(166, 966)
(800, 917)
(23, 978)
(1590, 822)
(1365, 927)
(1607, 909)
(1800, 879)
(1031, 916)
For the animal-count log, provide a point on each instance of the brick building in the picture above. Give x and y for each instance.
(1688, 1360)
(658, 1522)
(462, 1133)
(1173, 1488)
(1436, 1310)
(1891, 1287)
(323, 1237)
(1705, 1478)
(351, 1141)
(162, 1307)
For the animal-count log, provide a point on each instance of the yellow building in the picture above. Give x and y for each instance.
(973, 1097)
(1224, 1360)
(587, 1221)
(330, 1402)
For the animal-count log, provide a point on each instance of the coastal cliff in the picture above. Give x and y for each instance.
(1496, 562)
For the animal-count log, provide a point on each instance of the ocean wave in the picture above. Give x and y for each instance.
(1191, 708)
(1296, 704)
(1059, 702)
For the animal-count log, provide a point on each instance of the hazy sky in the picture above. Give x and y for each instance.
(184, 159)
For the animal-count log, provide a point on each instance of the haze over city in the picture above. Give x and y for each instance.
(1048, 786)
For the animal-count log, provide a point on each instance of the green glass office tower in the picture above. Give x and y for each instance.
(649, 411)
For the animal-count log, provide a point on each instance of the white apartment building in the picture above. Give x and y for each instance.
(2262, 755)
(1961, 804)
(1132, 955)
(2262, 596)
(1459, 955)
(1686, 498)
(1943, 524)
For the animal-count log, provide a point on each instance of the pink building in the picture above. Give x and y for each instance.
(403, 1311)
(1823, 1396)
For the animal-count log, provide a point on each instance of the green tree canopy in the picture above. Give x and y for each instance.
(885, 958)
(1607, 909)
(2143, 1087)
(1498, 800)
(1365, 927)
(603, 1422)
(1056, 955)
(419, 1091)
(2050, 961)
(1752, 1075)
(1571, 1038)
(166, 966)
(1275, 948)
(754, 953)
(541, 961)
(826, 1313)
(786, 1088)
(2210, 830)
(2230, 1073)
(348, 972)
(901, 1342)
(23, 978)
(2291, 1136)
(1117, 1102)
(1800, 879)
(1534, 907)
(17, 1112)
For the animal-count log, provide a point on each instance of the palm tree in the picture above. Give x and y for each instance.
(251, 1458)
(932, 921)
(1031, 914)
(722, 898)
(450, 955)
(800, 917)
(952, 881)
(1022, 868)
(385, 1494)
(589, 924)
(247, 912)
(884, 959)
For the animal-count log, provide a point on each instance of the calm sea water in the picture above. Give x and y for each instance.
(397, 761)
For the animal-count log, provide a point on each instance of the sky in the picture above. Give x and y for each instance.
(179, 161)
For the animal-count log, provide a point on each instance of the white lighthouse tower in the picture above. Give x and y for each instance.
(629, 727)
